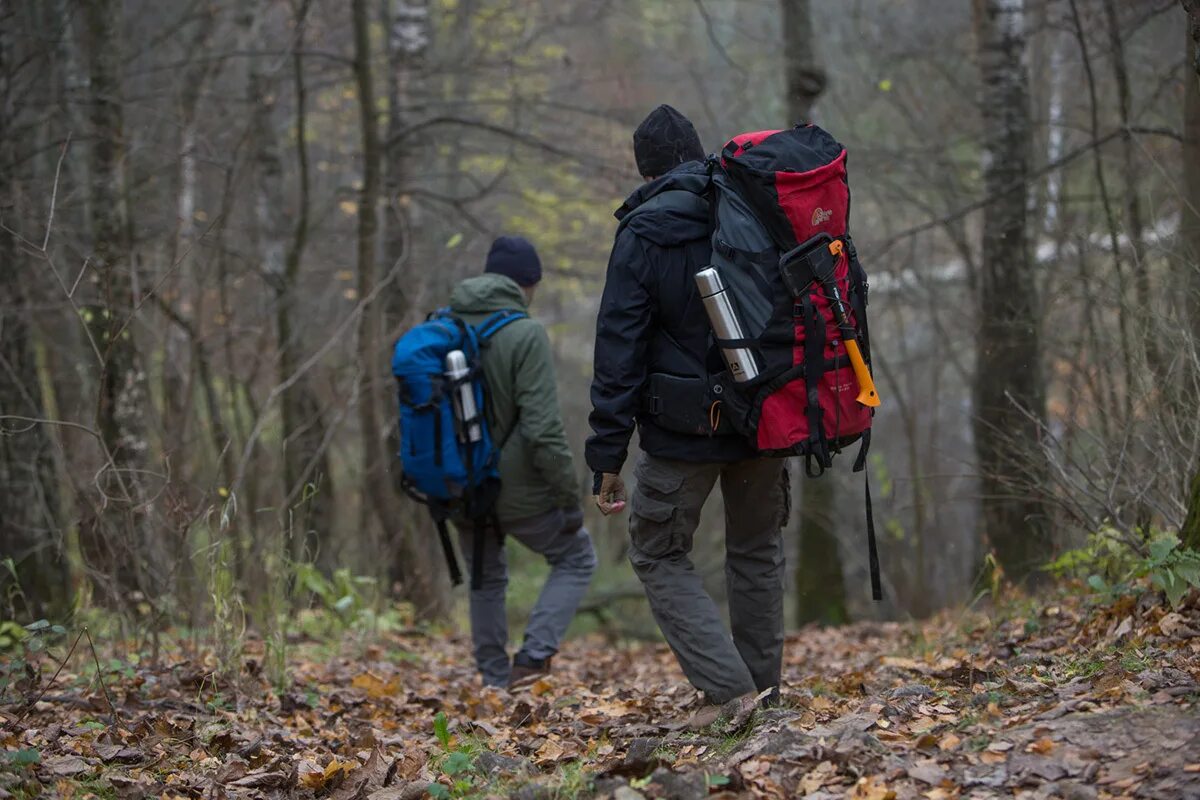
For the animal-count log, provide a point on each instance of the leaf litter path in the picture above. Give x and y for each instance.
(1034, 700)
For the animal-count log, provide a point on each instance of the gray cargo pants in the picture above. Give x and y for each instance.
(560, 537)
(665, 508)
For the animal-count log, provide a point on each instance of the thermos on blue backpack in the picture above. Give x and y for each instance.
(725, 324)
(464, 407)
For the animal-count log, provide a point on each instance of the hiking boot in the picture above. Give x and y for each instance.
(731, 716)
(526, 670)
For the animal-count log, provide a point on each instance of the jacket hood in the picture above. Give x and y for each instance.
(670, 210)
(487, 293)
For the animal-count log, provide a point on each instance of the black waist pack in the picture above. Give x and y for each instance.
(685, 405)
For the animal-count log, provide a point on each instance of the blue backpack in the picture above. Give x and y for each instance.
(449, 463)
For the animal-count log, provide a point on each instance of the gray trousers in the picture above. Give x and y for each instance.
(665, 507)
(560, 537)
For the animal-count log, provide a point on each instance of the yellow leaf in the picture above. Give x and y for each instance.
(311, 776)
(872, 789)
(949, 742)
(885, 85)
(1043, 746)
(348, 207)
(454, 241)
(375, 686)
(549, 752)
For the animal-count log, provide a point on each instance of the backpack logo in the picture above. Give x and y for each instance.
(821, 216)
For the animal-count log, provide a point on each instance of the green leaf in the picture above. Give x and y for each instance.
(885, 85)
(23, 758)
(40, 625)
(716, 780)
(1189, 572)
(1161, 548)
(1097, 583)
(437, 791)
(441, 729)
(457, 763)
(454, 241)
(1172, 586)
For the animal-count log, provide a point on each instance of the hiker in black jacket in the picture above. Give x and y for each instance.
(652, 368)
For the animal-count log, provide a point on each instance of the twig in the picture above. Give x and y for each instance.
(712, 37)
(82, 271)
(982, 203)
(100, 677)
(54, 193)
(53, 678)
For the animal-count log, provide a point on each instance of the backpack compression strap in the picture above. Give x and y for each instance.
(493, 324)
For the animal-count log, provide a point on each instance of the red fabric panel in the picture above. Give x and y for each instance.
(784, 419)
(816, 201)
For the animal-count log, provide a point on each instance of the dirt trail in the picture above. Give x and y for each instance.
(1063, 701)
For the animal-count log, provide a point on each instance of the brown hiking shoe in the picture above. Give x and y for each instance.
(526, 670)
(731, 716)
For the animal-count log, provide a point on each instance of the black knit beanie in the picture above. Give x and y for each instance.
(516, 258)
(663, 141)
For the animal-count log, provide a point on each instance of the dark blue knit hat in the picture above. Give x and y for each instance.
(515, 257)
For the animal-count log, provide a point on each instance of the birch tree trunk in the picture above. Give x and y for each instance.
(1009, 391)
(416, 555)
(422, 588)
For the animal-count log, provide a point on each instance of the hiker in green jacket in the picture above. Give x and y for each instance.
(539, 490)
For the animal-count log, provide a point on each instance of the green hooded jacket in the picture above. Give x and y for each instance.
(537, 473)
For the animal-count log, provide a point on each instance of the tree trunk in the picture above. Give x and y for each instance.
(416, 555)
(1010, 394)
(1134, 224)
(805, 78)
(307, 489)
(121, 554)
(423, 588)
(31, 532)
(1190, 215)
(1190, 227)
(820, 589)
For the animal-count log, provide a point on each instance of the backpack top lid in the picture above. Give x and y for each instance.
(421, 352)
(793, 180)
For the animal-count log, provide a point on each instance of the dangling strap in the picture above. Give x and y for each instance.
(448, 551)
(872, 551)
(814, 369)
(480, 528)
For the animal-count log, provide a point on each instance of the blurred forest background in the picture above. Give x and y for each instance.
(218, 215)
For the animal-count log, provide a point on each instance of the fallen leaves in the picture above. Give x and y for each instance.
(1002, 702)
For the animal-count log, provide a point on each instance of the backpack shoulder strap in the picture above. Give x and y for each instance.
(496, 322)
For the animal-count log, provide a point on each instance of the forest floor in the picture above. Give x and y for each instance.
(1069, 698)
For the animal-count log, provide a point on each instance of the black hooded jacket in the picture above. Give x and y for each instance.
(652, 320)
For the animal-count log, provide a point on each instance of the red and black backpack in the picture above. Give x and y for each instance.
(781, 207)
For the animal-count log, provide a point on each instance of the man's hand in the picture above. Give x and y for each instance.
(611, 497)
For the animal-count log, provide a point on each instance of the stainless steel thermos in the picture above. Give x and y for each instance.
(725, 324)
(464, 408)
